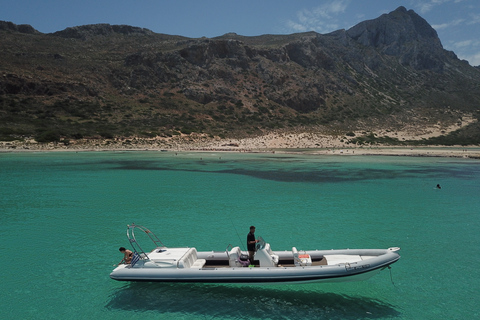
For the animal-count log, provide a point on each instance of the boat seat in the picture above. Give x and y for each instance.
(301, 260)
(199, 263)
(188, 259)
(234, 258)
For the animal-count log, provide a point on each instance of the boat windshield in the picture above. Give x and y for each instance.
(261, 243)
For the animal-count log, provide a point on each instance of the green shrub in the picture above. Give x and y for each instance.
(47, 136)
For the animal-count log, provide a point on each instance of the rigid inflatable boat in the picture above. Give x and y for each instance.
(164, 264)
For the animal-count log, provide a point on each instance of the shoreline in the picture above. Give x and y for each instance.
(299, 144)
(306, 142)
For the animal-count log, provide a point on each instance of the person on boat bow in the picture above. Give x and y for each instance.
(251, 242)
(127, 255)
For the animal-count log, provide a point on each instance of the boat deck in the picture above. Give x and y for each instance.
(282, 263)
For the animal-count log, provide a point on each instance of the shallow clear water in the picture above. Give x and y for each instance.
(64, 215)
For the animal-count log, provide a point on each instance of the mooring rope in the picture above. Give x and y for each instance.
(391, 276)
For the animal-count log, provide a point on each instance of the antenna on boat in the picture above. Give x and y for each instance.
(241, 243)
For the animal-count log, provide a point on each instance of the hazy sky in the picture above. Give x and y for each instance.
(456, 21)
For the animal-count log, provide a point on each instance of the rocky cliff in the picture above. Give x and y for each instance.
(104, 80)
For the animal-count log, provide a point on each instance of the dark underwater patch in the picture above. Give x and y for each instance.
(296, 171)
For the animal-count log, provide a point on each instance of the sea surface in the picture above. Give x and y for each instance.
(64, 216)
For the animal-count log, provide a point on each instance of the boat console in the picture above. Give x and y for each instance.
(265, 254)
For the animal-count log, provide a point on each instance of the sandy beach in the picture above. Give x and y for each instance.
(274, 142)
(306, 142)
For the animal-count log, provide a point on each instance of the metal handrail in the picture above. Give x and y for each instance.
(228, 251)
(133, 241)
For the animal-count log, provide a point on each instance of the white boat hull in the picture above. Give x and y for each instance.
(340, 266)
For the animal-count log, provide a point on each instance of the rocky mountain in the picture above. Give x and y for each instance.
(110, 81)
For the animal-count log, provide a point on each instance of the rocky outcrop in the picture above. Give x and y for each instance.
(22, 28)
(93, 30)
(402, 34)
(302, 72)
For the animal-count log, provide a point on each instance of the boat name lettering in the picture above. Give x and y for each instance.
(358, 267)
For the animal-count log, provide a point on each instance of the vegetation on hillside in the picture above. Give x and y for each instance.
(103, 81)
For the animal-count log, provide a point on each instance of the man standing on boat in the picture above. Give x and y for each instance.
(251, 241)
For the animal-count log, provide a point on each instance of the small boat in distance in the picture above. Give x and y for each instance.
(186, 264)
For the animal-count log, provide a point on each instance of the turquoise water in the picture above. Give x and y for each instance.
(64, 215)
